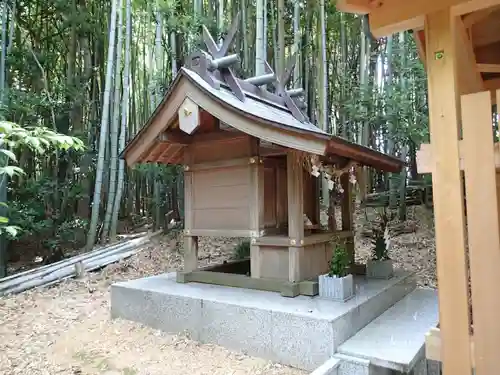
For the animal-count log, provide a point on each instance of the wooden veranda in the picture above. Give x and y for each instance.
(459, 42)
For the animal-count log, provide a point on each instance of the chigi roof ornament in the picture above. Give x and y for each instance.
(215, 66)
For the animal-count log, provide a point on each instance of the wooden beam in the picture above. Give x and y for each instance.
(426, 162)
(492, 84)
(225, 163)
(488, 68)
(163, 117)
(470, 6)
(469, 78)
(391, 16)
(482, 226)
(190, 243)
(257, 207)
(419, 36)
(175, 136)
(353, 6)
(447, 189)
(472, 18)
(295, 183)
(433, 346)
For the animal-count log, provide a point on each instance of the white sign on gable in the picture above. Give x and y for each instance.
(189, 116)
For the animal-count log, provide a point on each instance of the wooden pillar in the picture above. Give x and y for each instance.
(190, 243)
(444, 107)
(482, 224)
(295, 184)
(347, 214)
(256, 205)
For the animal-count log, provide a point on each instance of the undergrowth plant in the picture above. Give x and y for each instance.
(380, 236)
(242, 250)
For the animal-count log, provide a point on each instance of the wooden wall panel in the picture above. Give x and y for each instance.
(447, 192)
(274, 262)
(270, 194)
(221, 199)
(482, 225)
(311, 199)
(221, 150)
(282, 191)
(314, 260)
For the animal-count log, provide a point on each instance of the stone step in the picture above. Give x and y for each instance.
(302, 332)
(330, 367)
(394, 342)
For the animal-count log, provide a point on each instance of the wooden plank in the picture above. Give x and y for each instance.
(425, 158)
(347, 206)
(251, 126)
(295, 190)
(227, 163)
(188, 191)
(433, 346)
(190, 243)
(469, 80)
(391, 16)
(220, 136)
(497, 175)
(256, 205)
(488, 68)
(175, 136)
(164, 116)
(325, 237)
(235, 280)
(469, 6)
(309, 288)
(353, 6)
(256, 201)
(190, 253)
(217, 233)
(448, 194)
(474, 17)
(316, 238)
(483, 227)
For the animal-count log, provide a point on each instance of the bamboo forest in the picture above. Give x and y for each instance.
(79, 78)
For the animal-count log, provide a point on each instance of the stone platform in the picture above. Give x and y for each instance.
(302, 332)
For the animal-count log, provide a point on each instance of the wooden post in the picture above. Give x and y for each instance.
(482, 224)
(448, 195)
(256, 205)
(295, 183)
(190, 242)
(347, 214)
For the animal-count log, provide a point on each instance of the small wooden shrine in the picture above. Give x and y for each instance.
(459, 43)
(247, 155)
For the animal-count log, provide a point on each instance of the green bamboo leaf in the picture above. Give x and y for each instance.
(9, 154)
(3, 220)
(12, 230)
(11, 170)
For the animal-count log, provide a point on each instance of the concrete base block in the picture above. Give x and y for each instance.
(302, 332)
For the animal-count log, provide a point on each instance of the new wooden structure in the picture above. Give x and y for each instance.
(459, 41)
(247, 155)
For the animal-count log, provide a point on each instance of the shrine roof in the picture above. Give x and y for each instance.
(254, 116)
(208, 85)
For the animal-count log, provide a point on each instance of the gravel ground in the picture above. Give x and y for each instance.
(66, 329)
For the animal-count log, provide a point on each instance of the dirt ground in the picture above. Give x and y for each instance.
(66, 329)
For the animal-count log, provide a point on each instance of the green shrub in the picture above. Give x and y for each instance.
(337, 266)
(242, 250)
